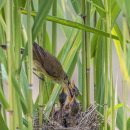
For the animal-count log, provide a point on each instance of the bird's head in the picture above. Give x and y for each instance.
(75, 106)
(66, 80)
(74, 89)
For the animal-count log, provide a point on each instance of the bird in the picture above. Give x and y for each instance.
(75, 106)
(49, 65)
(62, 98)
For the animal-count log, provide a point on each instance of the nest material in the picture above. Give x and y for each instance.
(89, 120)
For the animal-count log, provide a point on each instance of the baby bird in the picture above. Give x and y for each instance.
(74, 89)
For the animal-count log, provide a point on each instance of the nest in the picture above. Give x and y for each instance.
(89, 120)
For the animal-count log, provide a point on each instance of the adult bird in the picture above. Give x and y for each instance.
(48, 65)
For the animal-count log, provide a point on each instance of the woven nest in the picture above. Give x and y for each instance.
(89, 120)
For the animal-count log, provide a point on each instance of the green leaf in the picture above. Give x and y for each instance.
(2, 2)
(119, 119)
(67, 45)
(116, 107)
(2, 22)
(75, 25)
(3, 99)
(128, 124)
(48, 43)
(100, 4)
(52, 99)
(73, 64)
(69, 58)
(99, 66)
(76, 5)
(3, 58)
(127, 3)
(79, 75)
(40, 17)
(18, 90)
(3, 125)
(94, 39)
(115, 11)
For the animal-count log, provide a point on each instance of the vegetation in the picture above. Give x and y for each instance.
(94, 32)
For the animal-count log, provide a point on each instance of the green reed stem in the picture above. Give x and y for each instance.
(107, 25)
(8, 16)
(88, 57)
(94, 61)
(30, 65)
(84, 89)
(40, 103)
(17, 41)
(112, 91)
(54, 28)
(124, 80)
(17, 30)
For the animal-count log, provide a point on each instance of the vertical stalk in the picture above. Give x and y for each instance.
(84, 91)
(30, 64)
(107, 25)
(94, 63)
(17, 41)
(17, 28)
(112, 95)
(1, 89)
(44, 35)
(88, 57)
(2, 39)
(124, 80)
(8, 12)
(40, 103)
(54, 28)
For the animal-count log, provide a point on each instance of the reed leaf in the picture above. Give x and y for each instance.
(40, 17)
(3, 100)
(75, 25)
(76, 5)
(3, 58)
(3, 125)
(2, 3)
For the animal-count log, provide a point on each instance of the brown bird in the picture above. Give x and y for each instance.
(49, 65)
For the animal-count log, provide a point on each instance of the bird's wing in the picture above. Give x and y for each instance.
(52, 66)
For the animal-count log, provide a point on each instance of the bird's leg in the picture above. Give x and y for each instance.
(38, 76)
(41, 78)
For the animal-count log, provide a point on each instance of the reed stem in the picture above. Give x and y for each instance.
(84, 89)
(30, 65)
(88, 57)
(107, 25)
(9, 36)
(112, 91)
(54, 28)
(124, 80)
(94, 62)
